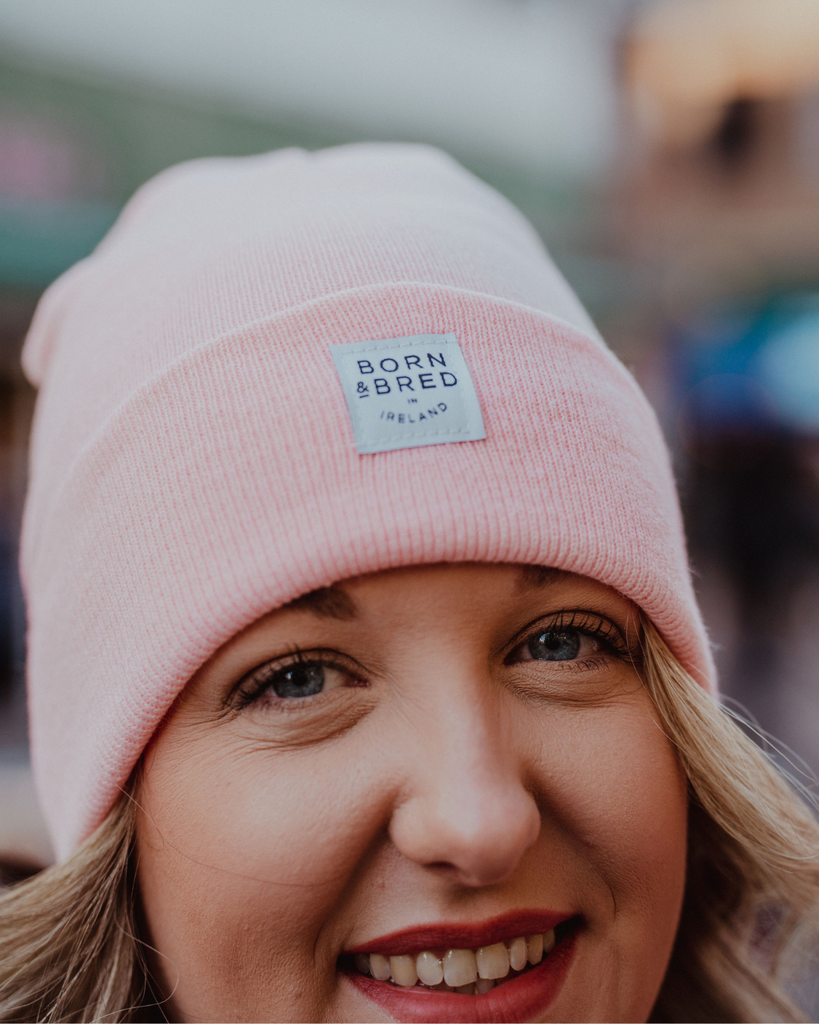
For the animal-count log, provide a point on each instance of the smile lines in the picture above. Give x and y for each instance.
(469, 972)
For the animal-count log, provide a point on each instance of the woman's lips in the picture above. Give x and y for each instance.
(504, 928)
(527, 993)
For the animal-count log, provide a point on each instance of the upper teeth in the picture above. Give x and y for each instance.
(460, 969)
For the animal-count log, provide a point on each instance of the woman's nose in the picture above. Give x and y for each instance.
(466, 808)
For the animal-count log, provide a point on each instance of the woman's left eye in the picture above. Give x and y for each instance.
(557, 644)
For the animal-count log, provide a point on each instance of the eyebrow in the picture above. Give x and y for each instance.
(326, 603)
(540, 576)
(331, 603)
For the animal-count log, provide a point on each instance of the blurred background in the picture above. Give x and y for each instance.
(667, 150)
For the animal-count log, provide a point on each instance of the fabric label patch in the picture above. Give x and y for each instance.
(408, 392)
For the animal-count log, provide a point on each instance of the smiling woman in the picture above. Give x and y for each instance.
(447, 733)
(354, 718)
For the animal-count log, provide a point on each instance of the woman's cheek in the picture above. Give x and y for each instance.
(619, 797)
(284, 818)
(612, 777)
(241, 864)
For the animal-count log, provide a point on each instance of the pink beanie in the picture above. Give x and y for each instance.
(282, 371)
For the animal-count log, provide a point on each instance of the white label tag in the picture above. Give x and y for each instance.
(408, 392)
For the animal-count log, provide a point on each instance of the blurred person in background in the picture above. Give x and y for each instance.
(749, 408)
(722, 197)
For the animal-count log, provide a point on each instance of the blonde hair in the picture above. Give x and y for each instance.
(70, 951)
(750, 914)
(68, 945)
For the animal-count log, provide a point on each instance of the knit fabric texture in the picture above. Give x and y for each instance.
(193, 461)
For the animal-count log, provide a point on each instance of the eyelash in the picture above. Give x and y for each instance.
(589, 623)
(253, 685)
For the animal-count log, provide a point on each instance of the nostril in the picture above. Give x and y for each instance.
(476, 831)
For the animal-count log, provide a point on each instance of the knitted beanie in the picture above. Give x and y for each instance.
(282, 371)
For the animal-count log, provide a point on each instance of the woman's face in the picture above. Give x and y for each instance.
(419, 771)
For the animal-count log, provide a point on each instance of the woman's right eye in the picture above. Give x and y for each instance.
(302, 678)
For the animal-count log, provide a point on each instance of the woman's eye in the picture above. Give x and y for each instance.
(301, 680)
(564, 644)
(298, 679)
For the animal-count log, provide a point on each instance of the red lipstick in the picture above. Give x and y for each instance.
(463, 936)
(520, 998)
